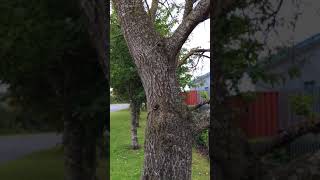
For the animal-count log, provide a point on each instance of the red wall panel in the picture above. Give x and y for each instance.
(259, 118)
(191, 97)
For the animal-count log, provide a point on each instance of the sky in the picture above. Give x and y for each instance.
(306, 25)
(200, 37)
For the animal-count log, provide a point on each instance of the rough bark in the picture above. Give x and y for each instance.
(134, 118)
(168, 134)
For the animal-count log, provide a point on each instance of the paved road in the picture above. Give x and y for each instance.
(117, 107)
(16, 146)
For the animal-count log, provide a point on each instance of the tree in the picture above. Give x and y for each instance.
(124, 78)
(53, 71)
(170, 127)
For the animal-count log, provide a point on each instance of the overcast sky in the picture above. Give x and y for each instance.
(307, 23)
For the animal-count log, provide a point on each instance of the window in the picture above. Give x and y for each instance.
(309, 85)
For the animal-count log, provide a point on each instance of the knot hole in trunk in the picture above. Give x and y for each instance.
(156, 107)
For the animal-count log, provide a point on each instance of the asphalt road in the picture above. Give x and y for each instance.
(17, 146)
(118, 107)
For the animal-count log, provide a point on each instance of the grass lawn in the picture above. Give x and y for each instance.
(43, 165)
(126, 164)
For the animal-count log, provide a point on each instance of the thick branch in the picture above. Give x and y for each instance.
(201, 120)
(187, 8)
(189, 54)
(293, 133)
(153, 9)
(181, 34)
(137, 28)
(200, 105)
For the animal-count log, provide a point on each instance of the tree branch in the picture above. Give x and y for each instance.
(199, 14)
(292, 133)
(201, 120)
(137, 27)
(190, 53)
(153, 9)
(200, 105)
(187, 8)
(148, 8)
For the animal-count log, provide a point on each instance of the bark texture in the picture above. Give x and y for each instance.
(168, 134)
(134, 121)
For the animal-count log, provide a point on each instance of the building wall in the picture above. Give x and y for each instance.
(205, 84)
(309, 68)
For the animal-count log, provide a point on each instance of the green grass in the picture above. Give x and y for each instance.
(126, 164)
(42, 165)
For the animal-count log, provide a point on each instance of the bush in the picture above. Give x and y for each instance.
(204, 95)
(203, 138)
(302, 105)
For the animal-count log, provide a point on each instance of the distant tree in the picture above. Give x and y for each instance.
(125, 80)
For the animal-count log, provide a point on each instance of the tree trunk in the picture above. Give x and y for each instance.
(168, 146)
(134, 117)
(138, 115)
(168, 134)
(72, 150)
(79, 152)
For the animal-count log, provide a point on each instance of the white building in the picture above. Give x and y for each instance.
(202, 83)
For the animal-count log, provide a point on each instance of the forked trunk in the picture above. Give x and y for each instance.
(168, 134)
(134, 118)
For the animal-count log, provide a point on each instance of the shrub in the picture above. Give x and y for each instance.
(203, 138)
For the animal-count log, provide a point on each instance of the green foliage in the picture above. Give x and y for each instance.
(294, 71)
(49, 63)
(302, 105)
(204, 95)
(203, 138)
(125, 80)
(184, 75)
(237, 44)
